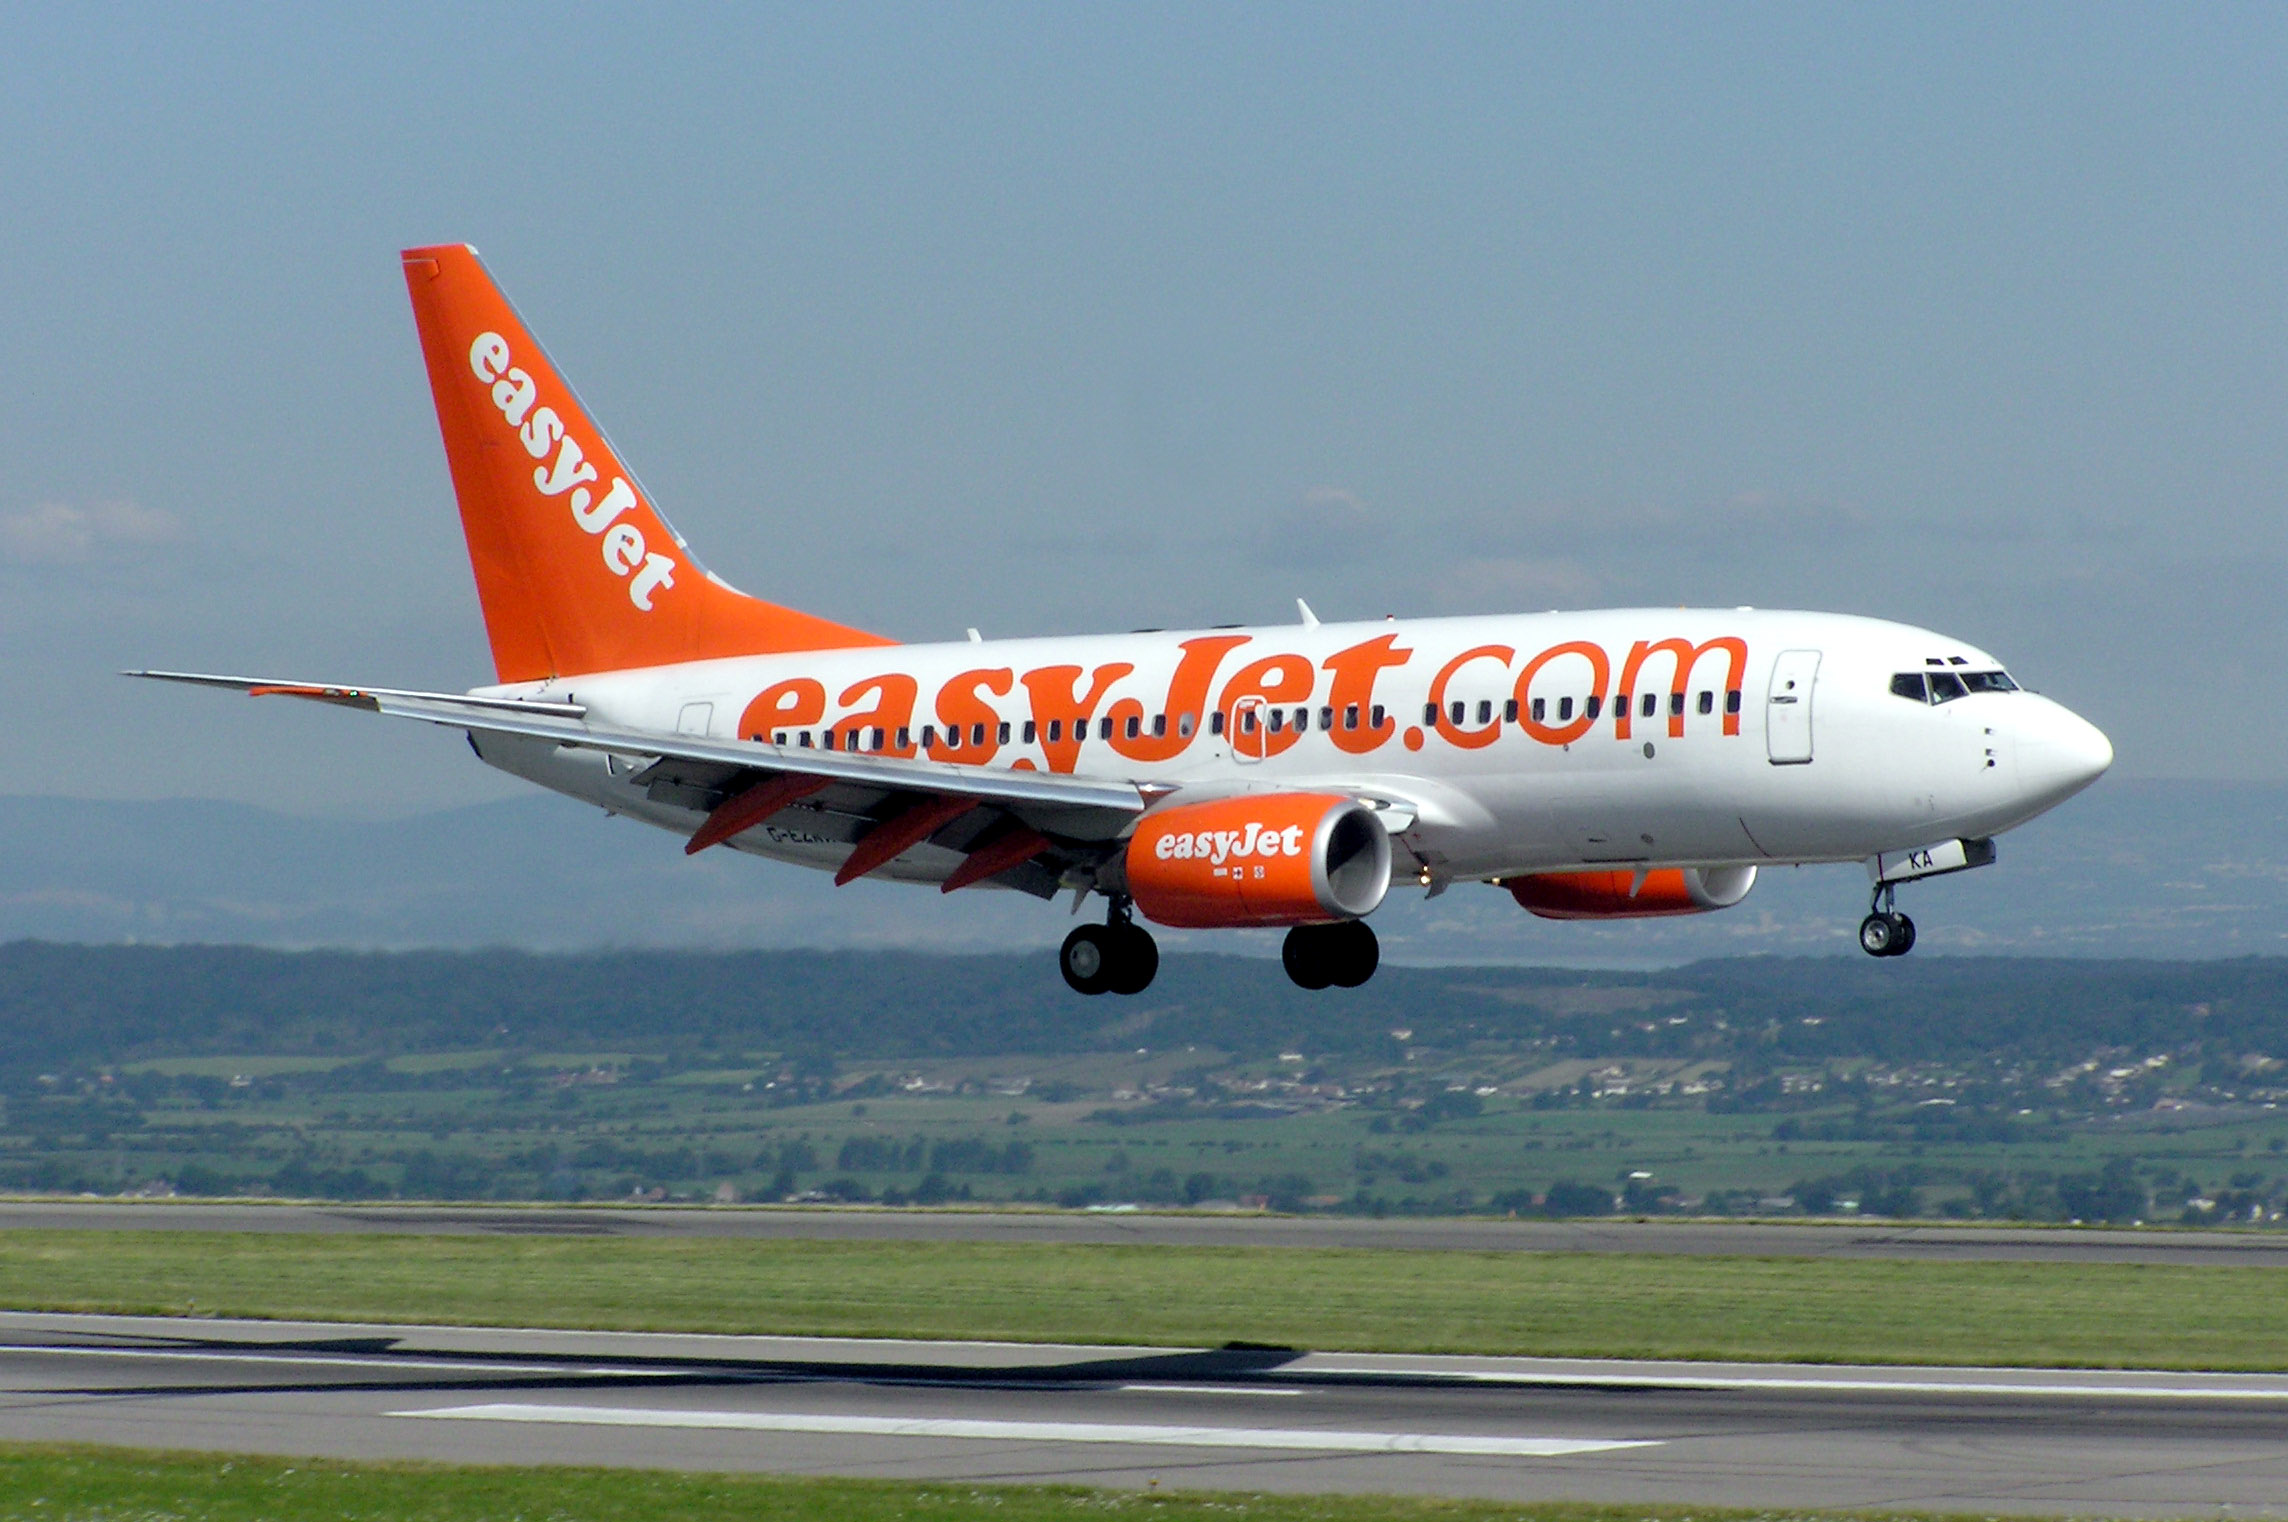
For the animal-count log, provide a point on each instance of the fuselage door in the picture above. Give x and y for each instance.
(1787, 707)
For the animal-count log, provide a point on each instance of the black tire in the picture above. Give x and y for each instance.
(1877, 934)
(1087, 959)
(1357, 953)
(1136, 962)
(1904, 941)
(1305, 953)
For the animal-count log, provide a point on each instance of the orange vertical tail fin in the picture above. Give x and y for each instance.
(576, 570)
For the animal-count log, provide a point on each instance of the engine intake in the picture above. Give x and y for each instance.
(1262, 859)
(1607, 895)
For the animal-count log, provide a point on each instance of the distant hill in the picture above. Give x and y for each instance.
(2153, 869)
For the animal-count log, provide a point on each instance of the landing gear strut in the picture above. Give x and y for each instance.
(1118, 956)
(1885, 932)
(1344, 954)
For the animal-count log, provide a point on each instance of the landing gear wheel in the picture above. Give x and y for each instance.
(1357, 953)
(1342, 955)
(1136, 959)
(1305, 954)
(1087, 959)
(1886, 935)
(1877, 935)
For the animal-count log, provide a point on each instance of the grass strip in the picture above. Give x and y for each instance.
(82, 1484)
(2103, 1315)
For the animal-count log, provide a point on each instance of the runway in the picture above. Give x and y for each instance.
(1997, 1441)
(1869, 1239)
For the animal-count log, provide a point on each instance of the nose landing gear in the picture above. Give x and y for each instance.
(1118, 956)
(1885, 932)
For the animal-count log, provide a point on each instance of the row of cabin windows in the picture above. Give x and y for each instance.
(1458, 712)
(1946, 686)
(1274, 719)
(1278, 720)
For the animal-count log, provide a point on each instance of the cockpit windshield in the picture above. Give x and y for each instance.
(1946, 686)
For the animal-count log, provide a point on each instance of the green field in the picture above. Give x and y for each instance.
(55, 1484)
(1589, 1305)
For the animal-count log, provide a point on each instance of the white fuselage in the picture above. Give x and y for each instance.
(1784, 740)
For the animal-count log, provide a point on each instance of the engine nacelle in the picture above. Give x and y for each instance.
(1261, 859)
(1606, 895)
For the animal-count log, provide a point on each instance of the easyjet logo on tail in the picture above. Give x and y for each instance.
(542, 433)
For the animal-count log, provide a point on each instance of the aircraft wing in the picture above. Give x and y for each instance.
(732, 779)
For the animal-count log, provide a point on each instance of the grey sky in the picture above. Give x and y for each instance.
(1077, 318)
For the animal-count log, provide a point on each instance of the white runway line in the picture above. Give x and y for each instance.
(1815, 1384)
(1037, 1432)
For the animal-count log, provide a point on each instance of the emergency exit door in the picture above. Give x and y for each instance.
(1787, 707)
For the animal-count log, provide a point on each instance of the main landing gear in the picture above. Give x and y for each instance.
(1118, 957)
(1885, 932)
(1344, 954)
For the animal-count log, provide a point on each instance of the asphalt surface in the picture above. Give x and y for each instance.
(1845, 1240)
(1995, 1441)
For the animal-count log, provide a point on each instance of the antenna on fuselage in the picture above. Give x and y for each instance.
(1310, 619)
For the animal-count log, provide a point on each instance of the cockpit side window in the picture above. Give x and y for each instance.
(1909, 685)
(1988, 681)
(1945, 687)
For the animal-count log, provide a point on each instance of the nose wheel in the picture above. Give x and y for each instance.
(1885, 932)
(1117, 957)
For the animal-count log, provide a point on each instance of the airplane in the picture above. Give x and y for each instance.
(1595, 765)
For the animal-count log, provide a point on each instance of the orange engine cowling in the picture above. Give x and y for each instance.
(1263, 859)
(1607, 895)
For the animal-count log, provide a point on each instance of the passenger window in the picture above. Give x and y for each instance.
(1620, 705)
(1056, 730)
(1278, 720)
(1247, 721)
(778, 737)
(1215, 722)
(1104, 727)
(1651, 703)
(1909, 685)
(1302, 720)
(1374, 718)
(905, 737)
(802, 740)
(1732, 701)
(1326, 718)
(1430, 715)
(880, 736)
(1676, 704)
(1186, 723)
(1708, 702)
(1004, 735)
(1458, 708)
(1159, 726)
(929, 737)
(1134, 726)
(953, 737)
(1350, 716)
(1945, 687)
(1593, 707)
(1030, 731)
(1540, 709)
(977, 734)
(1485, 713)
(1564, 709)
(1509, 711)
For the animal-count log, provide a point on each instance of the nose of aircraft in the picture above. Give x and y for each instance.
(2059, 754)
